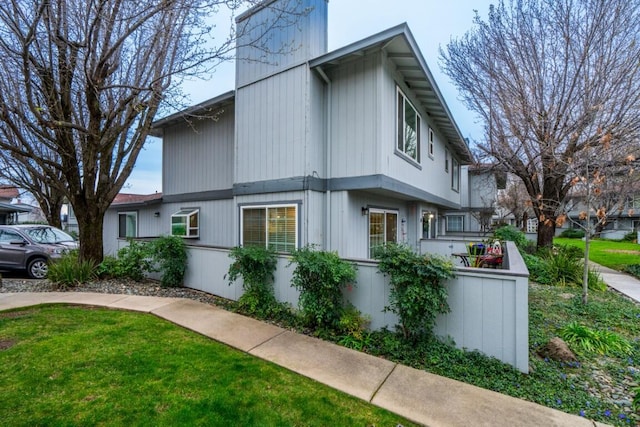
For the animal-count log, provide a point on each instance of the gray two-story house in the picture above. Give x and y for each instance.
(345, 150)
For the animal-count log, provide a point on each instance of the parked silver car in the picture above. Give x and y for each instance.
(32, 247)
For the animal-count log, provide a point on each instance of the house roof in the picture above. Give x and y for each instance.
(123, 199)
(9, 208)
(8, 192)
(206, 109)
(401, 48)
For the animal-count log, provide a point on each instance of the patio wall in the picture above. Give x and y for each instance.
(489, 308)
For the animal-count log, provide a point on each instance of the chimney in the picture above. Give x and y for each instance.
(276, 35)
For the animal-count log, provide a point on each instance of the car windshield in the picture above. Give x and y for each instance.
(48, 235)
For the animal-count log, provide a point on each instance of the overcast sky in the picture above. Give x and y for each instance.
(432, 22)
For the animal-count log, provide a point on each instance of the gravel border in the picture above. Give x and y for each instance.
(112, 286)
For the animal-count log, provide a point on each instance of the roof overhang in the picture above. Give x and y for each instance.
(9, 208)
(402, 50)
(207, 109)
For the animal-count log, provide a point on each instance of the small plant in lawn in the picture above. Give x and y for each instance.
(169, 253)
(256, 265)
(320, 277)
(69, 271)
(561, 266)
(584, 339)
(417, 292)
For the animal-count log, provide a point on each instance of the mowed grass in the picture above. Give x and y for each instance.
(609, 253)
(62, 365)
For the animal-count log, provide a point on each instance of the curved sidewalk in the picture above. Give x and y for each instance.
(621, 282)
(417, 395)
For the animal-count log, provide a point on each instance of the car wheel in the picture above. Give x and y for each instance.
(37, 268)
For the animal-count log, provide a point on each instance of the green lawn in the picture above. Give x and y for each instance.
(609, 253)
(76, 366)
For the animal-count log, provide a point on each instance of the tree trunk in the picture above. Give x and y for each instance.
(546, 233)
(90, 225)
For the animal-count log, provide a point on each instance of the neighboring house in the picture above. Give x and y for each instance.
(32, 216)
(480, 186)
(624, 217)
(345, 150)
(9, 212)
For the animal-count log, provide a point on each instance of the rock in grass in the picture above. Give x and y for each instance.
(558, 350)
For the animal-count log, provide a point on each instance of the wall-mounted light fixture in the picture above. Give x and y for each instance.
(156, 214)
(365, 210)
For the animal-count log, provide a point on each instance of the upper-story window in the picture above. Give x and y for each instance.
(447, 156)
(431, 149)
(455, 175)
(408, 127)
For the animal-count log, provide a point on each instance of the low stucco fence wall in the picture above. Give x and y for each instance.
(489, 308)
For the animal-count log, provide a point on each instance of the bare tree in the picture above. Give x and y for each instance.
(514, 201)
(25, 174)
(550, 79)
(85, 79)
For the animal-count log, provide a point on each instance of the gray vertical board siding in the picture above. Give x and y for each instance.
(206, 272)
(350, 229)
(488, 308)
(355, 128)
(285, 45)
(110, 232)
(482, 189)
(316, 156)
(217, 221)
(149, 225)
(363, 128)
(431, 175)
(199, 156)
(271, 127)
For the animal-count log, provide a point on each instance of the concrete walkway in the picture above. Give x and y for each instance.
(417, 395)
(621, 282)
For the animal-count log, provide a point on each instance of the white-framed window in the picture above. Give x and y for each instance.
(383, 228)
(408, 128)
(455, 222)
(447, 156)
(455, 174)
(186, 223)
(431, 149)
(272, 226)
(127, 224)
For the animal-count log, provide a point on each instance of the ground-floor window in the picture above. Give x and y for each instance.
(186, 223)
(428, 225)
(455, 222)
(274, 227)
(383, 228)
(127, 224)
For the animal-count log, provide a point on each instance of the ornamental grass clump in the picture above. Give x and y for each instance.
(417, 292)
(320, 277)
(69, 271)
(584, 339)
